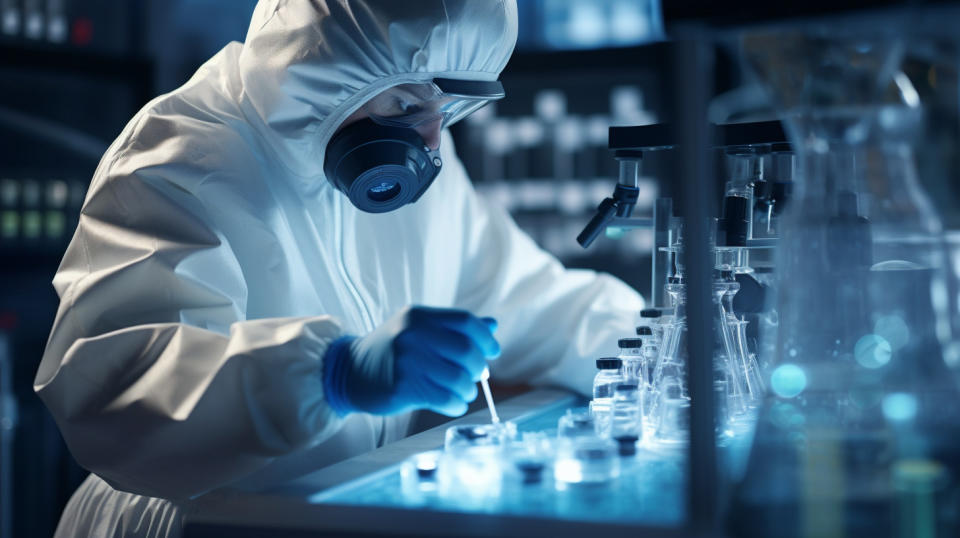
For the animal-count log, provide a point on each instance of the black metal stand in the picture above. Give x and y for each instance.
(693, 68)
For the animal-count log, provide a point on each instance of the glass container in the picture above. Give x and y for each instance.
(626, 426)
(632, 359)
(858, 386)
(604, 386)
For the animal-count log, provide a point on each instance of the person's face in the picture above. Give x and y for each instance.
(414, 101)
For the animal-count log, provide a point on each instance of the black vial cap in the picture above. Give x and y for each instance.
(428, 473)
(630, 343)
(532, 471)
(627, 445)
(608, 363)
(644, 331)
(651, 313)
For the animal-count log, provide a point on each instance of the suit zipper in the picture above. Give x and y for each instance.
(379, 423)
(342, 266)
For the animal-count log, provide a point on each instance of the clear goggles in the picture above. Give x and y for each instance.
(441, 100)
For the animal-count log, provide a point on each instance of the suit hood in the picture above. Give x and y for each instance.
(308, 64)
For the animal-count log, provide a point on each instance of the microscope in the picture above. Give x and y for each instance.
(754, 167)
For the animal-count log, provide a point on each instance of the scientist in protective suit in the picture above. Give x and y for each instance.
(279, 261)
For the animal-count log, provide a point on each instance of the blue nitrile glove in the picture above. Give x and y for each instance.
(421, 358)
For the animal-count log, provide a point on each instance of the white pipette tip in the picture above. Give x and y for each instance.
(485, 384)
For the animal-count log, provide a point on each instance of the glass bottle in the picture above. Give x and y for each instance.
(650, 319)
(631, 357)
(604, 387)
(650, 352)
(626, 426)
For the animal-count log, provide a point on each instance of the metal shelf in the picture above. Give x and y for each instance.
(750, 12)
(136, 72)
(664, 135)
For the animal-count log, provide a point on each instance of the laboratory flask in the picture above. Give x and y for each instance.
(667, 418)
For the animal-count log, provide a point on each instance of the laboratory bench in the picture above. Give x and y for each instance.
(369, 495)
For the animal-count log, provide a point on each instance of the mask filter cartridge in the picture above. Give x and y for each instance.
(380, 167)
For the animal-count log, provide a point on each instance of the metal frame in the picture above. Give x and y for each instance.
(694, 79)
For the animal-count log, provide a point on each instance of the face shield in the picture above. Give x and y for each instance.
(442, 100)
(382, 162)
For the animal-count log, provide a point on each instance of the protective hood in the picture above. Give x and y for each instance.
(308, 64)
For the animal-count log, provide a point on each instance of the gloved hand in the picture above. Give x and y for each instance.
(422, 358)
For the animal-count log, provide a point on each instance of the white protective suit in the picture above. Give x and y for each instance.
(214, 263)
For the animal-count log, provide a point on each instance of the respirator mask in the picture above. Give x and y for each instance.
(382, 162)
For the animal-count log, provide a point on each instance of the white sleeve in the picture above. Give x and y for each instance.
(156, 380)
(553, 321)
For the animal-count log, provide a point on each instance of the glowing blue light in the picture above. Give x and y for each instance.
(872, 351)
(894, 329)
(614, 233)
(899, 407)
(788, 380)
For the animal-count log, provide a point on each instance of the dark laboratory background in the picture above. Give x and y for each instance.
(73, 72)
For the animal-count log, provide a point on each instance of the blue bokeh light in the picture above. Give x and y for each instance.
(788, 380)
(872, 351)
(894, 330)
(899, 407)
(614, 232)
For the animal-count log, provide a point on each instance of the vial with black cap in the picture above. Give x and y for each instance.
(604, 386)
(626, 424)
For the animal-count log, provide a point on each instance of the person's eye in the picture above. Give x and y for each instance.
(406, 107)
